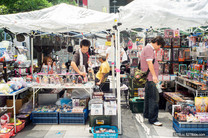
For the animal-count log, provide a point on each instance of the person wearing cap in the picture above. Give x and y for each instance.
(103, 70)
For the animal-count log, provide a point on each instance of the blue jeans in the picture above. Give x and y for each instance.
(151, 101)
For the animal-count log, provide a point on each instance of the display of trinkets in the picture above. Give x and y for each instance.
(49, 108)
(166, 55)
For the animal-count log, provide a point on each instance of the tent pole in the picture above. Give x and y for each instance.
(113, 65)
(144, 37)
(118, 81)
(31, 43)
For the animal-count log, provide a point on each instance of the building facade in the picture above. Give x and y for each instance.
(109, 6)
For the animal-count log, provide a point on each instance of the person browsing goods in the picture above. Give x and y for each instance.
(103, 70)
(149, 61)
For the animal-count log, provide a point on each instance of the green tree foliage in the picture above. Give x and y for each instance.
(3, 9)
(24, 5)
(15, 6)
(54, 2)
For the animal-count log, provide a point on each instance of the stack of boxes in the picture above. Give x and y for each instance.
(102, 106)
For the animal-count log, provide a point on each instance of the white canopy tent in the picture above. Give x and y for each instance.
(181, 14)
(59, 18)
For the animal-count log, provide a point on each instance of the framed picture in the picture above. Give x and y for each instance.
(201, 104)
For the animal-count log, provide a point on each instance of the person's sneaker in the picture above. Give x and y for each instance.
(157, 123)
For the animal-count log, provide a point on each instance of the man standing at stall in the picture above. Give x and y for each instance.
(103, 70)
(149, 61)
(80, 58)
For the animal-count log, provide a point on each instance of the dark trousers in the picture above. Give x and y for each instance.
(151, 102)
(96, 80)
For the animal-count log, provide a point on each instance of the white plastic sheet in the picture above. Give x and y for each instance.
(59, 18)
(180, 14)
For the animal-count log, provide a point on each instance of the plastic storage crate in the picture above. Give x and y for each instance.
(137, 106)
(18, 127)
(190, 127)
(73, 118)
(8, 134)
(44, 117)
(97, 120)
(105, 134)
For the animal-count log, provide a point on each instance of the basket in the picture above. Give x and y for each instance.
(8, 134)
(18, 127)
(105, 134)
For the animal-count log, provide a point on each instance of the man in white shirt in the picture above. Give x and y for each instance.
(110, 54)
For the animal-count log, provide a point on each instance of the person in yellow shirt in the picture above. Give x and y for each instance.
(103, 70)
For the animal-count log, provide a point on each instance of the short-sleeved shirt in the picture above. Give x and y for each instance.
(148, 54)
(110, 53)
(124, 57)
(104, 68)
(76, 59)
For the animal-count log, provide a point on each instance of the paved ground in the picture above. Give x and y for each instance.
(129, 123)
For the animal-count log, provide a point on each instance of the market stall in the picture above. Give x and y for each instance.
(56, 20)
(178, 15)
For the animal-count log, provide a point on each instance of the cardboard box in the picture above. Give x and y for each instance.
(18, 106)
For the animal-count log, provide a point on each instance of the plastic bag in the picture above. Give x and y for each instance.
(80, 94)
(12, 85)
(64, 101)
(27, 107)
(7, 56)
(24, 84)
(21, 58)
(5, 118)
(4, 88)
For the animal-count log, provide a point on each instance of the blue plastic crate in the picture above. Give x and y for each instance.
(73, 118)
(44, 117)
(44, 114)
(179, 129)
(45, 120)
(71, 121)
(105, 134)
(190, 125)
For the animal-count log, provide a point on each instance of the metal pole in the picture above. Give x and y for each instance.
(144, 37)
(31, 43)
(113, 68)
(14, 106)
(5, 35)
(114, 6)
(33, 98)
(118, 81)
